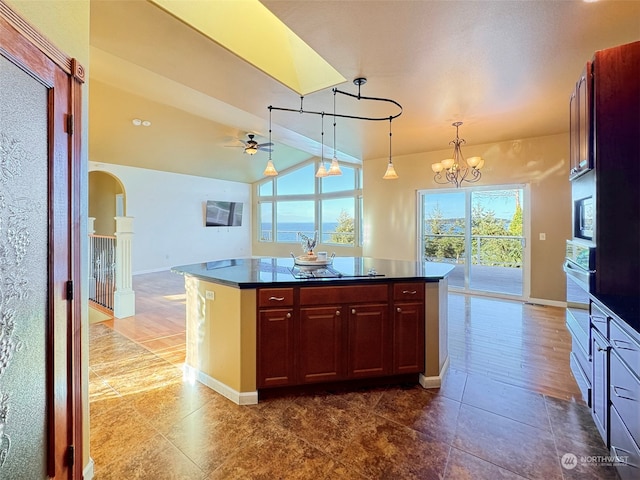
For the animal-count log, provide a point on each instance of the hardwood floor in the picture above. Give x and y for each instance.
(508, 407)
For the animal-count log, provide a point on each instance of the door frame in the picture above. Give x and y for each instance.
(526, 227)
(24, 46)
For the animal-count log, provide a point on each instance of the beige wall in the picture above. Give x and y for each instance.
(103, 188)
(66, 25)
(390, 206)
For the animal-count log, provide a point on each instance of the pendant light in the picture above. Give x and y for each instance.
(390, 174)
(322, 170)
(270, 170)
(334, 169)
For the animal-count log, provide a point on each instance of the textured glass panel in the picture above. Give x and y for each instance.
(23, 273)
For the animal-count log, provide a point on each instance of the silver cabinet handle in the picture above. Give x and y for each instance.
(617, 343)
(399, 310)
(615, 392)
(409, 292)
(277, 299)
(288, 315)
(353, 311)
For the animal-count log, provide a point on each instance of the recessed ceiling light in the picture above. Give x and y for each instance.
(137, 122)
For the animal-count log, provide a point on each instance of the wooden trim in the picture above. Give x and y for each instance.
(69, 65)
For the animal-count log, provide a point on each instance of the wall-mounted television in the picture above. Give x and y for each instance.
(223, 214)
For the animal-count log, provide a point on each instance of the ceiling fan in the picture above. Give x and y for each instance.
(251, 147)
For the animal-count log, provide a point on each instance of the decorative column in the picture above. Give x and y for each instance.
(124, 298)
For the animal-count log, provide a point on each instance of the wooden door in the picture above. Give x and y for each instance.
(40, 369)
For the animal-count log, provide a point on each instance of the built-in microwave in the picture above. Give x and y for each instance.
(583, 218)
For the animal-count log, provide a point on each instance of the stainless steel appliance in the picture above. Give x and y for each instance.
(579, 265)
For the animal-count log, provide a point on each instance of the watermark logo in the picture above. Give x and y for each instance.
(569, 461)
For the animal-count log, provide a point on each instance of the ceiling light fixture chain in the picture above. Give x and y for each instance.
(359, 82)
(456, 170)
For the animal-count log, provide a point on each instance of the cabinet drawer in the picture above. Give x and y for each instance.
(336, 295)
(579, 336)
(599, 319)
(581, 356)
(625, 346)
(625, 395)
(408, 291)
(584, 382)
(624, 448)
(275, 297)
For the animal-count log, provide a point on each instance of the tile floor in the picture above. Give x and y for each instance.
(149, 423)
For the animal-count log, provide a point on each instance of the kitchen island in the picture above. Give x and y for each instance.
(261, 324)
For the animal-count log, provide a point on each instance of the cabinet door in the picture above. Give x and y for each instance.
(369, 341)
(408, 337)
(574, 133)
(275, 348)
(321, 345)
(580, 146)
(600, 383)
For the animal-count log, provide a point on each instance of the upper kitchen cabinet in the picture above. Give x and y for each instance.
(581, 138)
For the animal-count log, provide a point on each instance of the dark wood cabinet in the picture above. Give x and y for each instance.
(321, 344)
(369, 341)
(581, 139)
(408, 328)
(314, 334)
(275, 349)
(275, 352)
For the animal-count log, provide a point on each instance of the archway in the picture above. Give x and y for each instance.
(107, 199)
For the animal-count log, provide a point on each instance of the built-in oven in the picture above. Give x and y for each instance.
(579, 265)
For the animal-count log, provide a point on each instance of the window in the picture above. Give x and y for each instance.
(480, 231)
(296, 201)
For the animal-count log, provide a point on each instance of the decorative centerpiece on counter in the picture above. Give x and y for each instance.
(310, 258)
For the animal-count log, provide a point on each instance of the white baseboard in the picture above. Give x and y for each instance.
(87, 472)
(549, 303)
(239, 398)
(435, 381)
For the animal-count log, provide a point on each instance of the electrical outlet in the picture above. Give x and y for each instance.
(543, 236)
(210, 295)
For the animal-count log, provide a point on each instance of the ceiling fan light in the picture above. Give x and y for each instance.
(270, 170)
(251, 150)
(334, 169)
(390, 174)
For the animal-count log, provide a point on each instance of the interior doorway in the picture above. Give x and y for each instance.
(481, 231)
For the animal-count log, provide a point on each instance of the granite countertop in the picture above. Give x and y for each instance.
(259, 271)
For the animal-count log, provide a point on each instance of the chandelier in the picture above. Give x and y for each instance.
(334, 168)
(455, 170)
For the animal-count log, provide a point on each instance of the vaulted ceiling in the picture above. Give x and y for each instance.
(504, 68)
